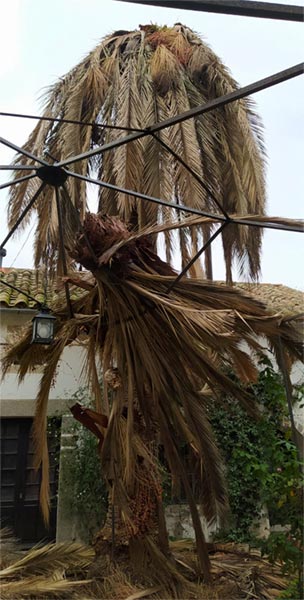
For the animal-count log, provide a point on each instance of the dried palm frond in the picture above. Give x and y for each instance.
(144, 593)
(53, 586)
(237, 570)
(51, 557)
(44, 571)
(9, 549)
(296, 224)
(252, 575)
(165, 348)
(134, 79)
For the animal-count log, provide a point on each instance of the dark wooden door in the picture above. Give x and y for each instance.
(20, 483)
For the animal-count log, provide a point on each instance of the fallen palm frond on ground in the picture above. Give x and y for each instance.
(50, 571)
(9, 548)
(43, 571)
(38, 560)
(237, 565)
(55, 585)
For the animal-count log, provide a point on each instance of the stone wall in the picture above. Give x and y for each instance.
(179, 523)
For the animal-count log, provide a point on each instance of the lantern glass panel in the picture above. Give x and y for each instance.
(44, 328)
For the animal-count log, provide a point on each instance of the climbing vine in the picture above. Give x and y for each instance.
(261, 465)
(263, 470)
(85, 490)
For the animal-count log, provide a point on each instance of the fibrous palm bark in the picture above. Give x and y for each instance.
(134, 79)
(166, 349)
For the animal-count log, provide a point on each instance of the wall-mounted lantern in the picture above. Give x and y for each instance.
(43, 327)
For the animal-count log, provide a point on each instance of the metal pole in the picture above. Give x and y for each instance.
(23, 151)
(16, 181)
(243, 8)
(24, 212)
(16, 289)
(62, 251)
(83, 231)
(193, 173)
(268, 225)
(2, 255)
(257, 86)
(113, 532)
(197, 255)
(195, 211)
(288, 391)
(72, 121)
(16, 168)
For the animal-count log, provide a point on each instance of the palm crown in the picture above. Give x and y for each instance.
(133, 79)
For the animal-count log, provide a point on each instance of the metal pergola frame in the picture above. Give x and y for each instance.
(242, 8)
(56, 173)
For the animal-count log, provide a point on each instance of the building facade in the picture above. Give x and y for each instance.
(20, 484)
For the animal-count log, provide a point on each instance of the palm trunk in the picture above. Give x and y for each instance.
(144, 517)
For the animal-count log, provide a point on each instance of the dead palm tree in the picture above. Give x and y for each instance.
(133, 79)
(171, 352)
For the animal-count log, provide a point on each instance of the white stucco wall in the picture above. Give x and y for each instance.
(68, 378)
(19, 399)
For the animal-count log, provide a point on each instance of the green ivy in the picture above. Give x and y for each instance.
(292, 591)
(90, 498)
(238, 438)
(87, 496)
(261, 464)
(263, 470)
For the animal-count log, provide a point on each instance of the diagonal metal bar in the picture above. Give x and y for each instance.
(289, 395)
(16, 168)
(243, 8)
(195, 211)
(72, 121)
(193, 173)
(196, 256)
(267, 225)
(16, 181)
(141, 196)
(253, 88)
(13, 287)
(62, 252)
(89, 245)
(22, 151)
(24, 212)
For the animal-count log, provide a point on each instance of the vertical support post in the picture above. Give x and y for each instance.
(113, 530)
(288, 391)
(62, 251)
(2, 255)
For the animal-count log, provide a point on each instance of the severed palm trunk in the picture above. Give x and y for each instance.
(135, 519)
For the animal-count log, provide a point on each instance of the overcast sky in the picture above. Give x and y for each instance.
(40, 41)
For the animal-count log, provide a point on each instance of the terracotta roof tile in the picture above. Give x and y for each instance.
(30, 281)
(278, 298)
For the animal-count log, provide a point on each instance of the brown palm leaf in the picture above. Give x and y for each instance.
(43, 571)
(43, 560)
(166, 348)
(134, 79)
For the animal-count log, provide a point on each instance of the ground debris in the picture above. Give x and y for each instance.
(71, 571)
